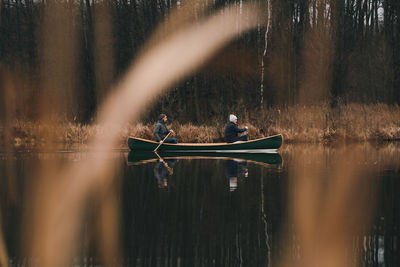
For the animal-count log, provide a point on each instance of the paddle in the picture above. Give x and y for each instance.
(170, 170)
(162, 142)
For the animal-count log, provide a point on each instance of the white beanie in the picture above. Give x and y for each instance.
(232, 117)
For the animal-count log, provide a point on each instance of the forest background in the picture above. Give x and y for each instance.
(325, 69)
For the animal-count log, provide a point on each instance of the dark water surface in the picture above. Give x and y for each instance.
(203, 211)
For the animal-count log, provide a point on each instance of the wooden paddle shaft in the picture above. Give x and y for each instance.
(162, 142)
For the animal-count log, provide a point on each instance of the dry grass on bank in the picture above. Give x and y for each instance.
(311, 124)
(352, 122)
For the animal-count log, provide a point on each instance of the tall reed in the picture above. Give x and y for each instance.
(55, 209)
(327, 206)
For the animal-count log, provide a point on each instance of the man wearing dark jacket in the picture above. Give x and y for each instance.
(232, 130)
(161, 131)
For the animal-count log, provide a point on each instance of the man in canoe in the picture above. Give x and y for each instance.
(232, 130)
(161, 131)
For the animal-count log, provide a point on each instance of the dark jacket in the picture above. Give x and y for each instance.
(160, 131)
(231, 131)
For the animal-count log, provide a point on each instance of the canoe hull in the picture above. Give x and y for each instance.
(267, 143)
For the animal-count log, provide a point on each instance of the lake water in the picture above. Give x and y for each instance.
(233, 210)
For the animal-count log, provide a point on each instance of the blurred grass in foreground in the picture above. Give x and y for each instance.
(332, 200)
(58, 202)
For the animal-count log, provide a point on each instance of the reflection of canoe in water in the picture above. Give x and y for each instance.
(266, 143)
(140, 157)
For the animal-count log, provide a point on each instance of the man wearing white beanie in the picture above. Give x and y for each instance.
(232, 130)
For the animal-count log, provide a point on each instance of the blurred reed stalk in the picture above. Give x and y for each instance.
(3, 250)
(57, 206)
(58, 54)
(7, 115)
(330, 203)
(329, 196)
(54, 193)
(103, 38)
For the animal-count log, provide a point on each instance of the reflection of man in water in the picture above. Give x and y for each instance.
(162, 170)
(233, 169)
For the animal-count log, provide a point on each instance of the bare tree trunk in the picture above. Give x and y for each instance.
(265, 53)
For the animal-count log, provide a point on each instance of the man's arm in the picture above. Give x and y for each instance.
(237, 129)
(157, 132)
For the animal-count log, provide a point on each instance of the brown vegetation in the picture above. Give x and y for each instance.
(311, 124)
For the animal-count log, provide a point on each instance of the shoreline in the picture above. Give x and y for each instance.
(352, 123)
(80, 141)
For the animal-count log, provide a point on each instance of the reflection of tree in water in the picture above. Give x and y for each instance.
(163, 170)
(234, 169)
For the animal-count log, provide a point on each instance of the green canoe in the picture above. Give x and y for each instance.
(266, 144)
(141, 157)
